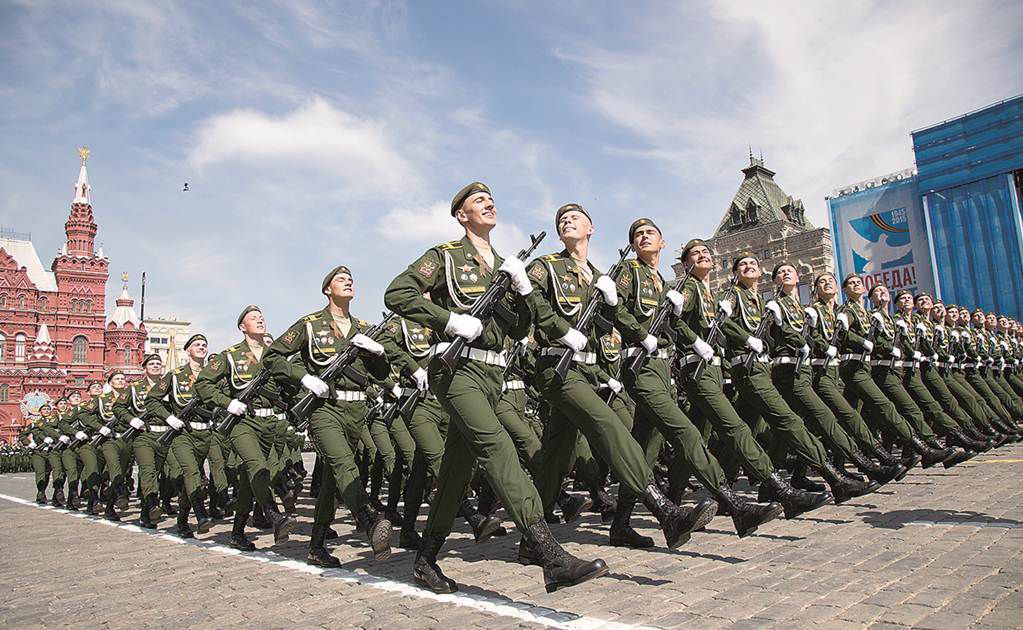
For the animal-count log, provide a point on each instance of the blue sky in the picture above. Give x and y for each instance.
(314, 134)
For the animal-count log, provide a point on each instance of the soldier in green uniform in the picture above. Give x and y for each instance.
(887, 371)
(791, 340)
(149, 453)
(52, 430)
(31, 437)
(68, 457)
(297, 357)
(164, 401)
(913, 339)
(115, 452)
(565, 281)
(993, 373)
(85, 422)
(253, 436)
(455, 274)
(697, 311)
(642, 291)
(970, 346)
(826, 380)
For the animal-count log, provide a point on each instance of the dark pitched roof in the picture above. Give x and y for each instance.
(760, 200)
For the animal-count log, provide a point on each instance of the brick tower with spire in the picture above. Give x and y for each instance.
(125, 337)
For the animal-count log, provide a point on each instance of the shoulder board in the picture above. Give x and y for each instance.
(362, 322)
(312, 317)
(550, 257)
(235, 347)
(180, 369)
(633, 262)
(450, 245)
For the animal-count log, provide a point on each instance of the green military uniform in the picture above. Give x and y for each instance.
(935, 414)
(32, 437)
(971, 342)
(69, 459)
(149, 453)
(116, 453)
(52, 433)
(86, 421)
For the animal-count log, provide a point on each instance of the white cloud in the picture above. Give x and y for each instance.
(419, 228)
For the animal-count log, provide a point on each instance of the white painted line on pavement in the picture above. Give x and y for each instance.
(506, 608)
(994, 523)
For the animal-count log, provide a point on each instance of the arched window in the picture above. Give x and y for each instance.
(127, 356)
(74, 306)
(21, 301)
(3, 301)
(19, 347)
(3, 343)
(88, 306)
(5, 392)
(79, 348)
(44, 303)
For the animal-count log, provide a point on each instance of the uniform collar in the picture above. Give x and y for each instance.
(472, 253)
(573, 264)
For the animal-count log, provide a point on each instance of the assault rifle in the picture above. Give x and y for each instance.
(715, 328)
(875, 324)
(841, 322)
(807, 331)
(634, 363)
(193, 408)
(483, 308)
(765, 321)
(99, 438)
(132, 431)
(589, 316)
(340, 364)
(896, 340)
(227, 421)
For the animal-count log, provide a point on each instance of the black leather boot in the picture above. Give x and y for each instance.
(168, 506)
(603, 504)
(41, 497)
(971, 432)
(378, 531)
(58, 497)
(884, 456)
(202, 518)
(802, 482)
(109, 512)
(144, 521)
(183, 529)
(677, 523)
(957, 437)
(260, 520)
(287, 497)
(239, 540)
(794, 501)
(958, 457)
(318, 554)
(72, 499)
(875, 472)
(844, 488)
(622, 534)
(151, 505)
(560, 568)
(215, 510)
(425, 571)
(930, 456)
(571, 506)
(408, 538)
(746, 515)
(90, 501)
(281, 523)
(226, 503)
(121, 490)
(483, 527)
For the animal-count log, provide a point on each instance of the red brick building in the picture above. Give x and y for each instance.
(53, 330)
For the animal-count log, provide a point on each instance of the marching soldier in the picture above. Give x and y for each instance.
(455, 274)
(68, 457)
(149, 453)
(84, 422)
(297, 358)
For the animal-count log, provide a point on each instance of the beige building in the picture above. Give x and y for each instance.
(771, 224)
(167, 338)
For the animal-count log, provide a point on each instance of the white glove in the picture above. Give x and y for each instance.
(516, 269)
(805, 351)
(811, 316)
(315, 385)
(236, 407)
(917, 355)
(137, 424)
(755, 344)
(396, 391)
(573, 339)
(606, 285)
(775, 310)
(464, 326)
(726, 307)
(81, 436)
(868, 345)
(615, 385)
(65, 439)
(48, 440)
(877, 317)
(422, 382)
(832, 352)
(934, 358)
(31, 445)
(105, 432)
(955, 334)
(843, 319)
(675, 298)
(896, 353)
(174, 423)
(649, 344)
(901, 323)
(703, 349)
(920, 328)
(363, 342)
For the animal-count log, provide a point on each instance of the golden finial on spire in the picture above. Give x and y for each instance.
(83, 152)
(124, 277)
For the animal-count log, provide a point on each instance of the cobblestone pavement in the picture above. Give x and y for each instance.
(941, 549)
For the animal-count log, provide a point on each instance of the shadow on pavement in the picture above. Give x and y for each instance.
(897, 519)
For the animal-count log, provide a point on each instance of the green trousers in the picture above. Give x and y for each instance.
(980, 385)
(756, 388)
(1004, 393)
(575, 407)
(707, 396)
(116, 455)
(828, 387)
(968, 398)
(798, 391)
(469, 394)
(658, 414)
(429, 428)
(860, 388)
(938, 388)
(56, 468)
(41, 468)
(191, 447)
(220, 448)
(253, 438)
(511, 412)
(90, 458)
(151, 457)
(70, 461)
(890, 381)
(335, 429)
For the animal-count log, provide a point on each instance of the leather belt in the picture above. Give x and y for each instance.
(660, 353)
(854, 357)
(157, 428)
(201, 426)
(785, 360)
(514, 385)
(587, 358)
(475, 354)
(742, 359)
(263, 412)
(690, 359)
(349, 395)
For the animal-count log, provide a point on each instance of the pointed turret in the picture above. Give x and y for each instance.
(80, 226)
(44, 351)
(125, 311)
